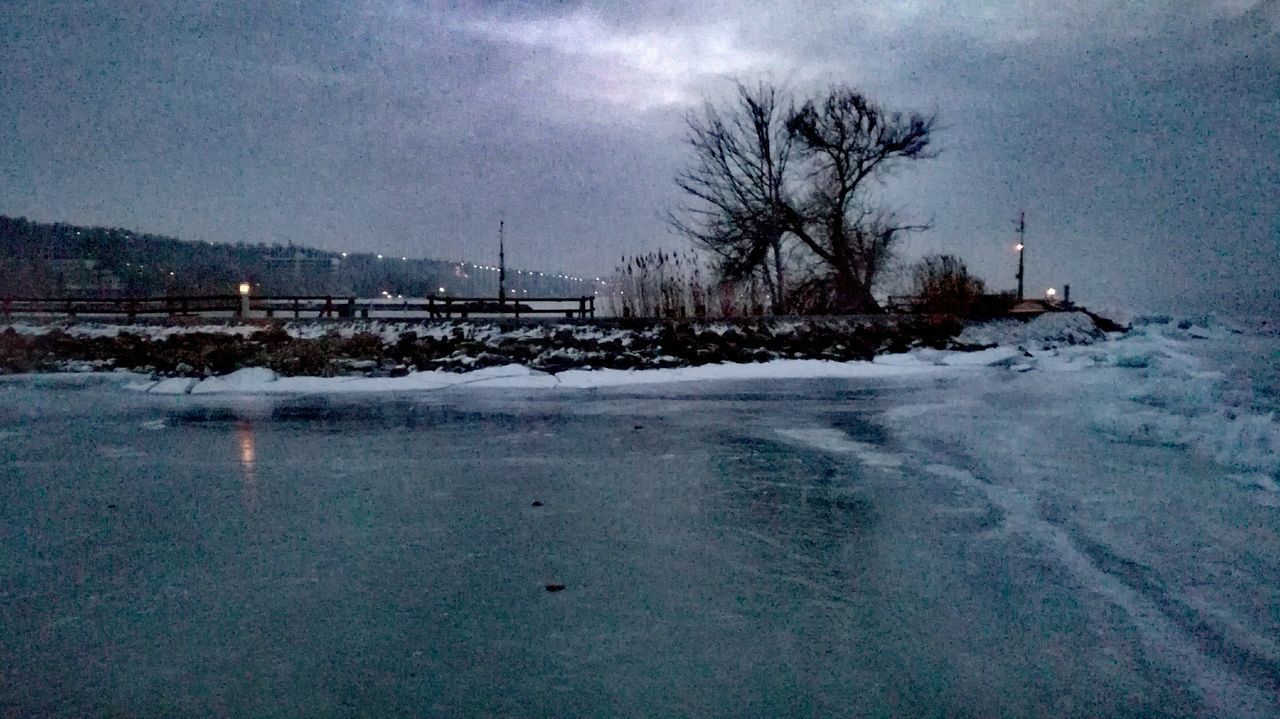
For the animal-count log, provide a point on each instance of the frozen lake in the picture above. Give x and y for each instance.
(971, 544)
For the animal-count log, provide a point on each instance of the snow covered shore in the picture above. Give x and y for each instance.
(372, 357)
(1162, 389)
(388, 349)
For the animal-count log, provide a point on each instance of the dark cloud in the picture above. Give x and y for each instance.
(1139, 137)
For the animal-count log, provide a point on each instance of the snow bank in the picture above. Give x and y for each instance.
(1048, 331)
(264, 381)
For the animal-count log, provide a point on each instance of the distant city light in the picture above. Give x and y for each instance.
(441, 290)
(379, 256)
(344, 254)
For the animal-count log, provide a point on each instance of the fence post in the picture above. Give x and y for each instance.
(582, 307)
(297, 309)
(71, 310)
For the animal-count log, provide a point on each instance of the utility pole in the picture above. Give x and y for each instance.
(502, 265)
(1022, 249)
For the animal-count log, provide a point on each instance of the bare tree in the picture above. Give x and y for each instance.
(763, 178)
(846, 141)
(738, 184)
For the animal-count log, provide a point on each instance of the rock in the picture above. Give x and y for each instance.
(537, 503)
(555, 587)
(553, 362)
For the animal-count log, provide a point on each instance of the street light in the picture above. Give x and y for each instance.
(244, 288)
(1050, 293)
(1020, 247)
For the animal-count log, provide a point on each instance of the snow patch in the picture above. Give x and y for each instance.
(835, 441)
(242, 380)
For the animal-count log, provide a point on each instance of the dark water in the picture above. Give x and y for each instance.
(383, 556)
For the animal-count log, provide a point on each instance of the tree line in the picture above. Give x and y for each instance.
(58, 259)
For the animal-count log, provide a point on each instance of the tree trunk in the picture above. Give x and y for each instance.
(852, 297)
(779, 298)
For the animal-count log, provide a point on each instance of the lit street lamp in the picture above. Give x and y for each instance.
(1021, 248)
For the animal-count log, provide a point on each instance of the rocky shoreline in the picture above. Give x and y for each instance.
(389, 349)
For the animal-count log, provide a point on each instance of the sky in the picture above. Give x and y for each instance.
(1142, 139)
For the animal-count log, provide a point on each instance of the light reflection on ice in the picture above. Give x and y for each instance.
(248, 465)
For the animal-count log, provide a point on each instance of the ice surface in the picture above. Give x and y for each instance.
(1095, 536)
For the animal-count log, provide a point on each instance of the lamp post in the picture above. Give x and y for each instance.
(1021, 247)
(502, 265)
(244, 299)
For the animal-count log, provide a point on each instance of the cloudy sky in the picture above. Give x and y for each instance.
(1141, 138)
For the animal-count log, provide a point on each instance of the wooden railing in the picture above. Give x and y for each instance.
(129, 306)
(298, 306)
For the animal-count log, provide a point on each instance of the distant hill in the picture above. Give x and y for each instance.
(55, 260)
